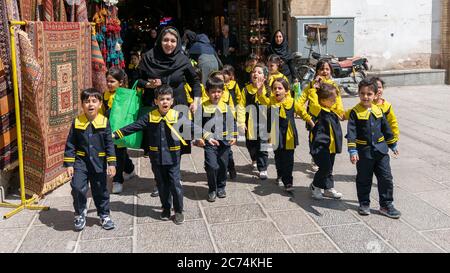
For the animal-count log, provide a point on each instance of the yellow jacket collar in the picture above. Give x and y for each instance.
(364, 114)
(287, 104)
(384, 106)
(170, 117)
(210, 108)
(82, 122)
(109, 96)
(231, 84)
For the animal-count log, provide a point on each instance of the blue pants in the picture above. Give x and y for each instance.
(169, 185)
(256, 154)
(99, 190)
(379, 166)
(284, 162)
(323, 178)
(216, 166)
(124, 164)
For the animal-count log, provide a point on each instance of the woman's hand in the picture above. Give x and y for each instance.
(153, 83)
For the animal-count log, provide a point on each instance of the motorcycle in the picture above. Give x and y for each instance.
(347, 73)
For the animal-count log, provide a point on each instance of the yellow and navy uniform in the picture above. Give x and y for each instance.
(388, 111)
(220, 124)
(165, 151)
(273, 77)
(108, 99)
(284, 137)
(327, 133)
(369, 131)
(369, 136)
(89, 150)
(89, 144)
(235, 91)
(325, 141)
(253, 120)
(309, 95)
(188, 90)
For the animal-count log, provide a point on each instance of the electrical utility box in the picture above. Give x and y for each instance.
(325, 35)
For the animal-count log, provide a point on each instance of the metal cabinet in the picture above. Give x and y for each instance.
(336, 35)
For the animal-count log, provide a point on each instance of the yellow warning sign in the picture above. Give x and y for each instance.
(339, 39)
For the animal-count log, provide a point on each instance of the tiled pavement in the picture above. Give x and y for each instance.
(259, 216)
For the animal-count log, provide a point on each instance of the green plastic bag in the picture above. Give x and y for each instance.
(124, 111)
(297, 90)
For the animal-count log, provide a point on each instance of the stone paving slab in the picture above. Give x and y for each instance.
(440, 237)
(235, 213)
(192, 236)
(44, 239)
(24, 219)
(254, 236)
(420, 214)
(325, 212)
(400, 235)
(357, 238)
(293, 222)
(116, 245)
(234, 197)
(312, 243)
(10, 238)
(438, 199)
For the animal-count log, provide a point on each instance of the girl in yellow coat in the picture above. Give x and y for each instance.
(250, 120)
(387, 109)
(309, 95)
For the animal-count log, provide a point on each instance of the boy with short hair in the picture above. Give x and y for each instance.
(369, 136)
(165, 149)
(218, 118)
(89, 155)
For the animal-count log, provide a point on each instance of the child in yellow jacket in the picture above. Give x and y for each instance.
(386, 107)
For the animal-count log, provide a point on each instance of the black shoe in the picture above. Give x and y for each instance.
(165, 214)
(364, 210)
(232, 173)
(289, 188)
(390, 211)
(212, 196)
(155, 192)
(221, 193)
(179, 218)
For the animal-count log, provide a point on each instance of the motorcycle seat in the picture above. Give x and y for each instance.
(346, 63)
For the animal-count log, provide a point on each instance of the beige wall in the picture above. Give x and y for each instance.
(310, 7)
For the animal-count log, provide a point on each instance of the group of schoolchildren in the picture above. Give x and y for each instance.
(265, 101)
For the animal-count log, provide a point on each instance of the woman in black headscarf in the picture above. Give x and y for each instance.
(279, 46)
(166, 64)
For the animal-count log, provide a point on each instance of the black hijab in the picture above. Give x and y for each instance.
(280, 50)
(156, 62)
(189, 37)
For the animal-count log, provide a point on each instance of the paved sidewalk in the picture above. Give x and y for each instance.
(259, 216)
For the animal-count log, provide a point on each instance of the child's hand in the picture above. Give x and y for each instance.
(311, 123)
(214, 142)
(113, 136)
(317, 80)
(111, 171)
(199, 143)
(232, 142)
(242, 128)
(354, 158)
(70, 171)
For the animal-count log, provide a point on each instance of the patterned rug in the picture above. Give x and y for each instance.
(27, 10)
(8, 137)
(63, 52)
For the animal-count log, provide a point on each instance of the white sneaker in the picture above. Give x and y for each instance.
(316, 192)
(128, 176)
(279, 182)
(117, 187)
(332, 193)
(263, 175)
(255, 166)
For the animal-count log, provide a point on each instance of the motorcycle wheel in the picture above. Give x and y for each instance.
(353, 88)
